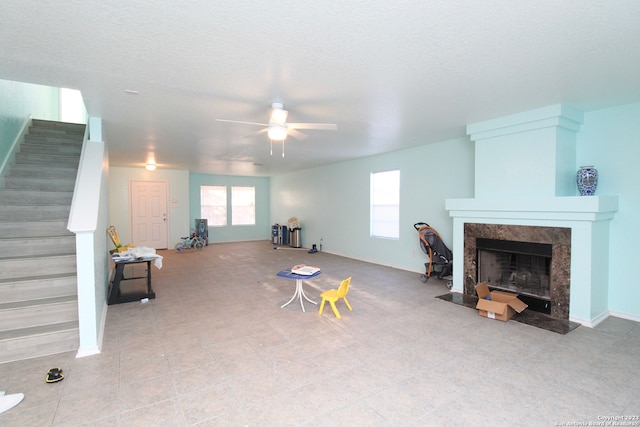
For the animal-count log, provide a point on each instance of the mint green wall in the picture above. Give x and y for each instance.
(232, 233)
(332, 202)
(610, 140)
(17, 102)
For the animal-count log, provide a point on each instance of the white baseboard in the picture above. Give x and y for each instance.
(87, 352)
(600, 318)
(591, 323)
(625, 316)
(397, 267)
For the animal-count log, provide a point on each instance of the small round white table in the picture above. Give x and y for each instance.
(299, 293)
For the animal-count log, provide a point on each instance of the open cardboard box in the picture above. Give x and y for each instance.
(502, 305)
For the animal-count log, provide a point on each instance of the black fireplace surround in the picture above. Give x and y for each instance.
(556, 304)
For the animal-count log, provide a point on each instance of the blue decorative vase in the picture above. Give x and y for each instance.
(587, 180)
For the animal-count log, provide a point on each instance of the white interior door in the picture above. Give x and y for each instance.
(149, 214)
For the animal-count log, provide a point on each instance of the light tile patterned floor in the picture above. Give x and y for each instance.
(215, 349)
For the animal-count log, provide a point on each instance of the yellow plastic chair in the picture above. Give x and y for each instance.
(334, 295)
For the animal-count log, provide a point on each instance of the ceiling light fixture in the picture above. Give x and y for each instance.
(277, 132)
(150, 166)
(278, 114)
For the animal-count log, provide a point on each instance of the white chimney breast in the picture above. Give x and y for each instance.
(530, 154)
(525, 175)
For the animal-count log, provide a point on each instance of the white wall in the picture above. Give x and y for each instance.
(332, 202)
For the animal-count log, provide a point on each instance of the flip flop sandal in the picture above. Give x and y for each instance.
(53, 376)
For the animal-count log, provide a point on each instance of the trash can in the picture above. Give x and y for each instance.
(294, 237)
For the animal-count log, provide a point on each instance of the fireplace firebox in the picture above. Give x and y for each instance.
(531, 245)
(520, 267)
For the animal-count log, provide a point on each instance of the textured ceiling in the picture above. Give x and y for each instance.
(390, 74)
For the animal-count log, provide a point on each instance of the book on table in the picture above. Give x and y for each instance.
(305, 270)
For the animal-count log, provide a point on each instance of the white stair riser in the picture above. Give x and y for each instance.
(34, 213)
(39, 184)
(46, 159)
(41, 124)
(34, 171)
(35, 197)
(56, 140)
(31, 267)
(50, 149)
(10, 229)
(39, 345)
(25, 290)
(27, 317)
(38, 246)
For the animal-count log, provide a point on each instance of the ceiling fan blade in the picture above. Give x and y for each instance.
(319, 126)
(239, 121)
(295, 134)
(255, 133)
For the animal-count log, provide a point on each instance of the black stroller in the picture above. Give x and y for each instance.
(440, 257)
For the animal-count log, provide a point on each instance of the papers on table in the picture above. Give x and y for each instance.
(139, 253)
(122, 257)
(305, 270)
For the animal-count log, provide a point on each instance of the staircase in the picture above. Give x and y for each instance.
(38, 295)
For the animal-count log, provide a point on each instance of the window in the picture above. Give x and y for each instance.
(243, 206)
(72, 106)
(385, 204)
(213, 204)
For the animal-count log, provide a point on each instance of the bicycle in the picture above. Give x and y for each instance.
(190, 242)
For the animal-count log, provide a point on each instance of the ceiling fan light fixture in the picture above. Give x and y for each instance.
(277, 132)
(278, 113)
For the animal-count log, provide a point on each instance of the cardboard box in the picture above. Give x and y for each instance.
(502, 305)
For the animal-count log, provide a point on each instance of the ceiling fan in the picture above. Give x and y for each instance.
(278, 129)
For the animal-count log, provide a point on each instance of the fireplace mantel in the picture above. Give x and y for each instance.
(578, 208)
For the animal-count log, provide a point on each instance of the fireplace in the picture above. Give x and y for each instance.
(531, 261)
(524, 191)
(520, 267)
